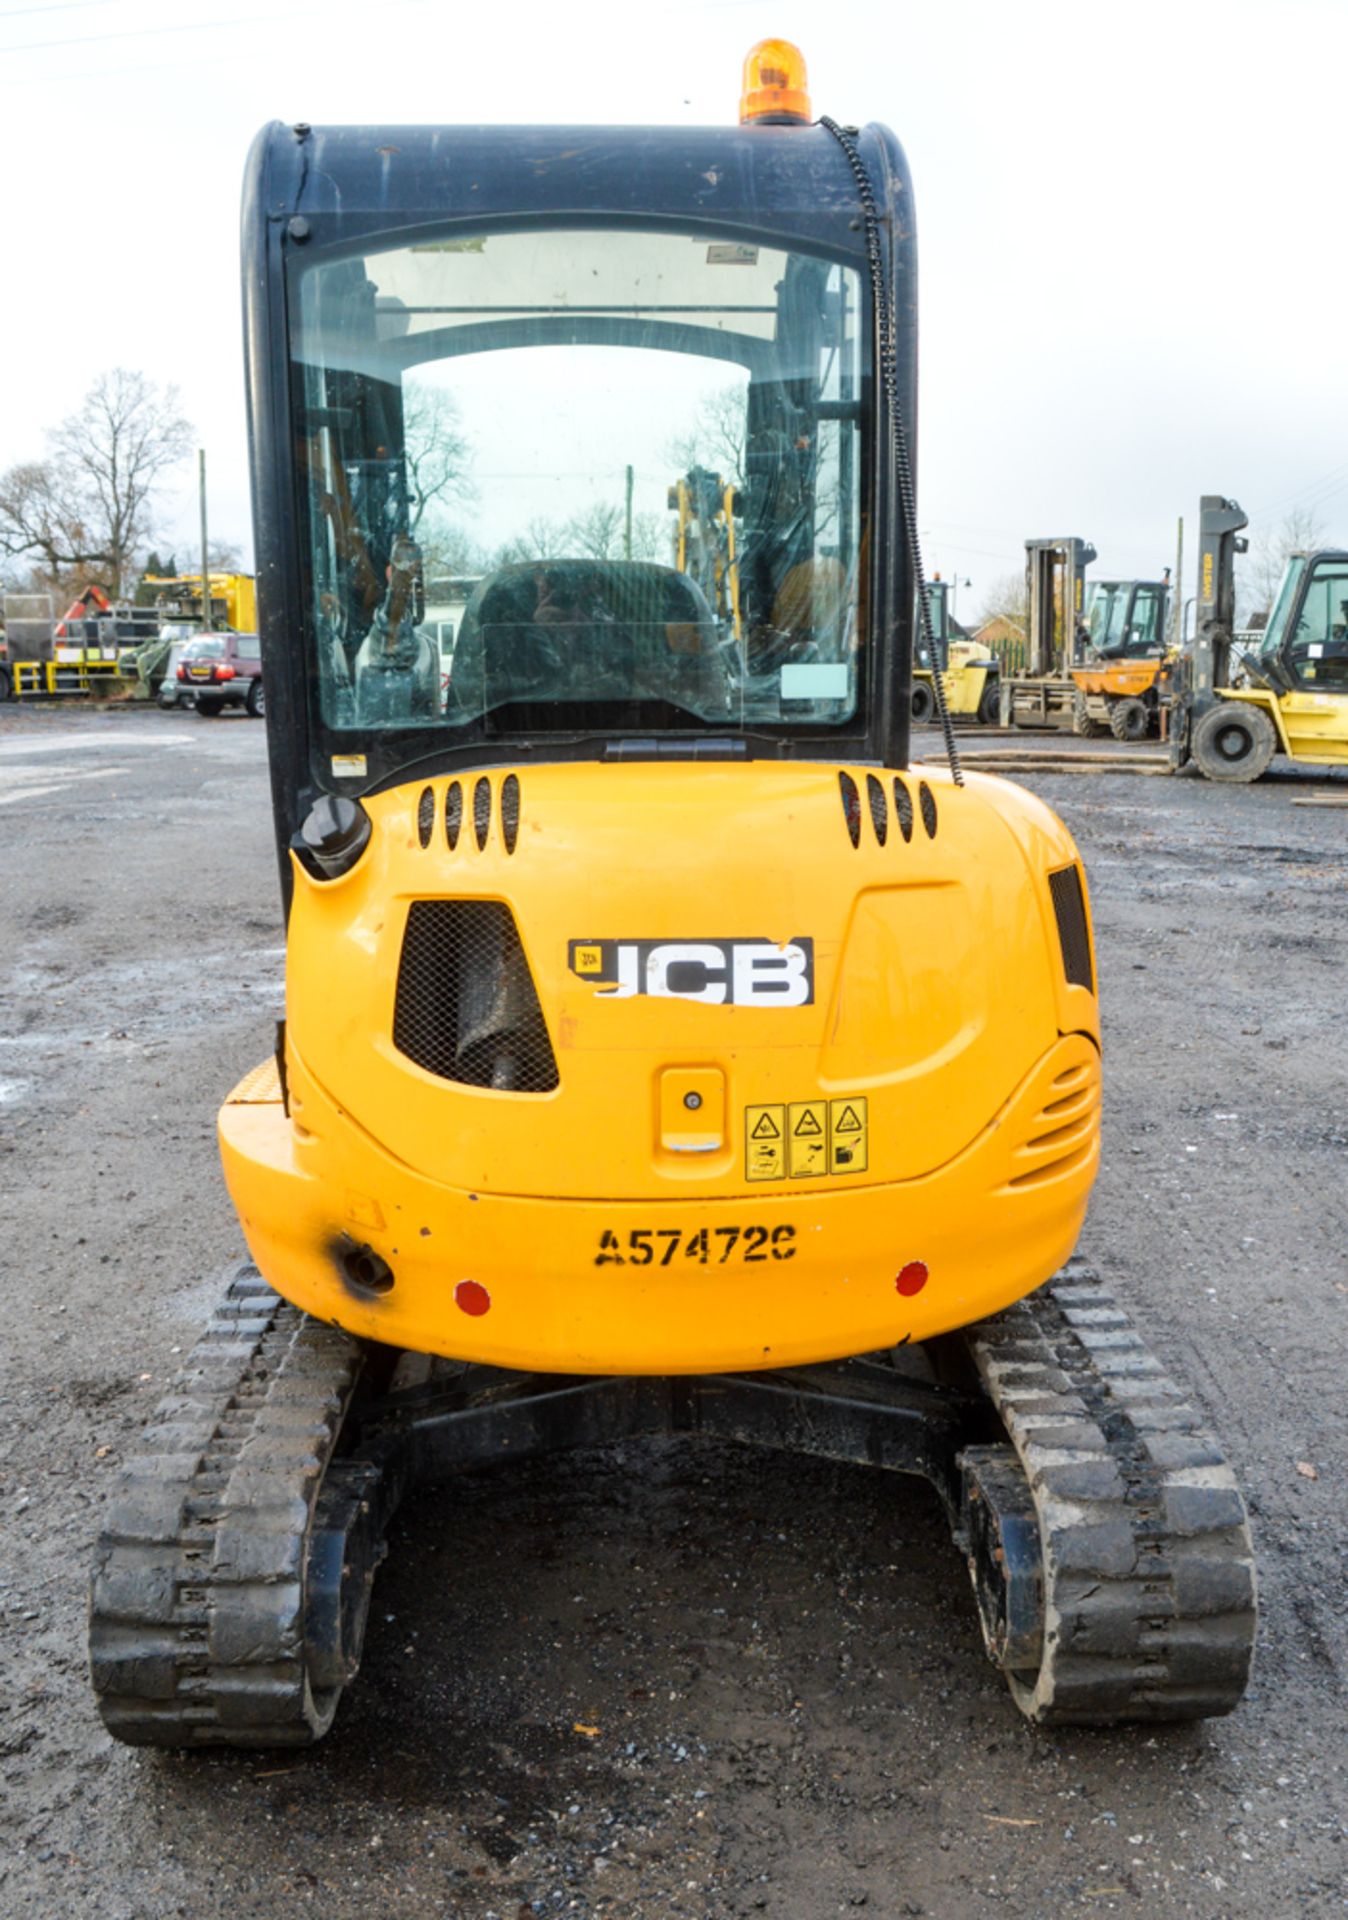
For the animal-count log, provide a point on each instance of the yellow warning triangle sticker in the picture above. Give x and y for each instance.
(849, 1123)
(807, 1123)
(767, 1129)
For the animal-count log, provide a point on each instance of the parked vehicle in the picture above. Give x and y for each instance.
(172, 691)
(223, 670)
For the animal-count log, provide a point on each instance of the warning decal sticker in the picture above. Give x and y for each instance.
(847, 1136)
(765, 1143)
(806, 1139)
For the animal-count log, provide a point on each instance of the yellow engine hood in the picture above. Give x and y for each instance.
(931, 983)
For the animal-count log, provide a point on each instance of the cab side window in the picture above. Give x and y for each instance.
(1317, 649)
(1144, 629)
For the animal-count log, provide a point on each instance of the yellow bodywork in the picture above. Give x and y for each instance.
(964, 679)
(1312, 727)
(613, 1225)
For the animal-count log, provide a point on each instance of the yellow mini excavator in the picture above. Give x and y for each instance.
(664, 1051)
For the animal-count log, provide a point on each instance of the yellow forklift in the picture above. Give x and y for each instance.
(970, 672)
(664, 1050)
(1232, 711)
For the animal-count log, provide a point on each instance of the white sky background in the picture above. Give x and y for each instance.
(1131, 221)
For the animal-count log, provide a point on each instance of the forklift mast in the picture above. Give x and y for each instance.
(1205, 664)
(1054, 579)
(1219, 526)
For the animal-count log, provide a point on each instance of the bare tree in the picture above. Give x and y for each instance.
(88, 508)
(1299, 531)
(436, 450)
(1005, 600)
(449, 548)
(716, 436)
(598, 530)
(542, 539)
(651, 537)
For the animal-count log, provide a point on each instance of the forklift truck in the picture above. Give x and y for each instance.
(1231, 714)
(1045, 694)
(664, 1050)
(970, 672)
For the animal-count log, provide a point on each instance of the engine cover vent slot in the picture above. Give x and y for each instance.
(426, 816)
(875, 793)
(466, 1008)
(1069, 904)
(482, 812)
(510, 811)
(851, 803)
(903, 807)
(453, 814)
(926, 800)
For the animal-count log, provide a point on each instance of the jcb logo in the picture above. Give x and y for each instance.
(737, 973)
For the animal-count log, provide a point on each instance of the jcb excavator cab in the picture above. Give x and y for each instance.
(656, 1034)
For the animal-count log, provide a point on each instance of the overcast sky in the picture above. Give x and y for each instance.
(1130, 221)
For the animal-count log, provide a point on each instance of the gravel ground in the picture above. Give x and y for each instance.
(664, 1680)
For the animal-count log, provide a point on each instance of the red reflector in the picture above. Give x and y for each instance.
(182, 673)
(470, 1296)
(223, 673)
(912, 1279)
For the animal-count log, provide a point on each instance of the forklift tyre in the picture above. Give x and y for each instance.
(1129, 719)
(6, 684)
(1234, 741)
(924, 703)
(990, 706)
(1082, 725)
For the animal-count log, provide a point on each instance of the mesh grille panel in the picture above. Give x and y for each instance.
(903, 807)
(1070, 907)
(467, 1008)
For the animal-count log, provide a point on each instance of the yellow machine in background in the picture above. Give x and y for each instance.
(1234, 711)
(1124, 652)
(233, 598)
(704, 540)
(970, 672)
(664, 1049)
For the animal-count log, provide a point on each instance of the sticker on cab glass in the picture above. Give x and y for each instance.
(729, 973)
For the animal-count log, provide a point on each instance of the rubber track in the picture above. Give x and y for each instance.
(1149, 1578)
(196, 1611)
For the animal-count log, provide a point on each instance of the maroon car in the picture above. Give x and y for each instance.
(223, 670)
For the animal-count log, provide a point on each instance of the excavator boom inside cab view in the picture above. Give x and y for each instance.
(664, 1050)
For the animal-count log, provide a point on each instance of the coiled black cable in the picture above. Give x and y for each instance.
(887, 349)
